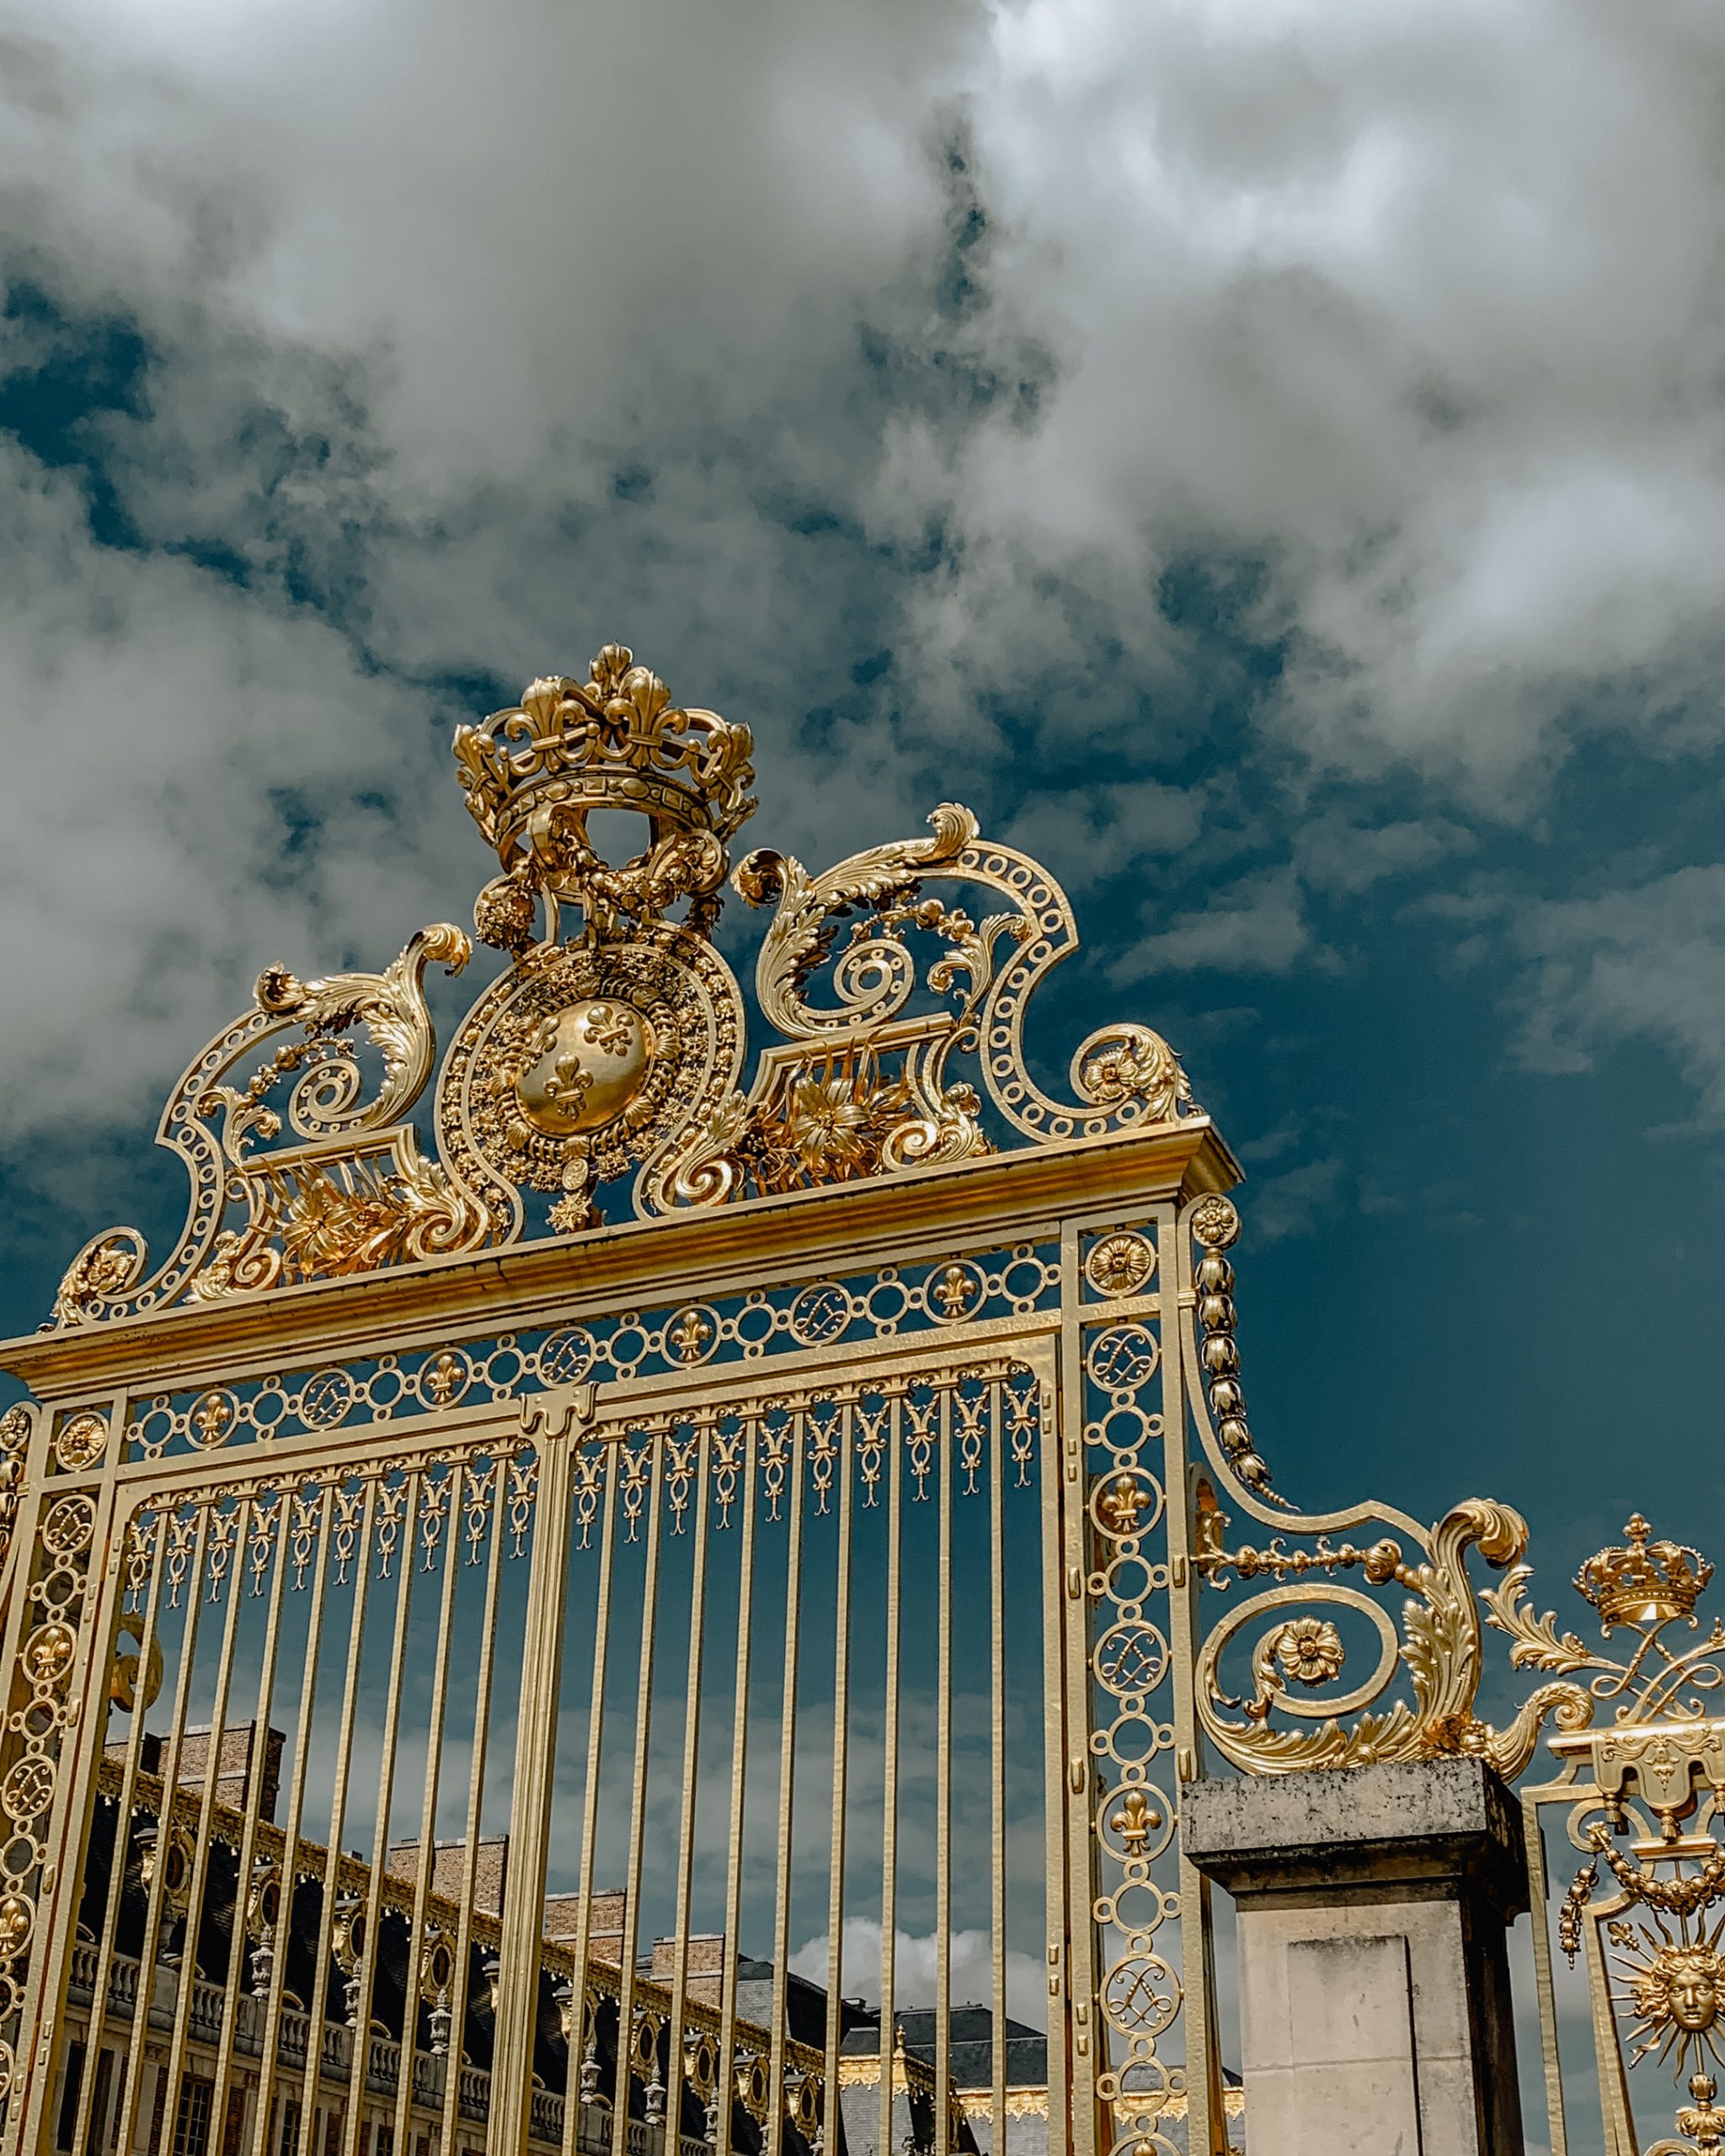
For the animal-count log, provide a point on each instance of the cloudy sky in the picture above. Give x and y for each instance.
(1265, 456)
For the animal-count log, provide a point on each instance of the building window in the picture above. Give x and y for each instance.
(119, 2109)
(288, 2140)
(69, 2095)
(99, 2106)
(191, 2128)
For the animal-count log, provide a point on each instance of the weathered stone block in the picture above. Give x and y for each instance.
(1375, 2014)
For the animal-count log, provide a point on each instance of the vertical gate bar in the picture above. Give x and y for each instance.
(451, 1517)
(476, 1798)
(94, 1612)
(1206, 2118)
(1539, 1890)
(740, 1764)
(589, 1805)
(117, 1870)
(997, 1765)
(787, 1790)
(170, 1774)
(254, 1775)
(1081, 1777)
(692, 1764)
(889, 1765)
(1059, 1426)
(628, 1944)
(267, 2060)
(523, 1926)
(206, 1806)
(317, 2004)
(944, 1790)
(19, 2122)
(360, 2059)
(830, 2123)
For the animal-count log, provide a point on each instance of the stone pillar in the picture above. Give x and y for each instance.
(1374, 2008)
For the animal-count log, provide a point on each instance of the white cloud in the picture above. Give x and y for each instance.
(1255, 926)
(1337, 855)
(970, 1964)
(529, 222)
(1294, 1202)
(1413, 305)
(163, 726)
(1402, 321)
(1417, 304)
(1644, 964)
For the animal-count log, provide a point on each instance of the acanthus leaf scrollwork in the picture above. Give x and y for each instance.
(354, 1195)
(862, 1084)
(1300, 1712)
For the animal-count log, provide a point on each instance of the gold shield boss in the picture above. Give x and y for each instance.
(582, 1067)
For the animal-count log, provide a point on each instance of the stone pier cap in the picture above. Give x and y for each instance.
(1444, 1826)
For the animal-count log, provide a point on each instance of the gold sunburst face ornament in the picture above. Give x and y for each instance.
(1669, 1991)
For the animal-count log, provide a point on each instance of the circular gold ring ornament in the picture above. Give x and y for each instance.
(28, 1790)
(68, 1526)
(80, 1443)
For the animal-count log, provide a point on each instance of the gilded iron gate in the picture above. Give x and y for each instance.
(491, 1671)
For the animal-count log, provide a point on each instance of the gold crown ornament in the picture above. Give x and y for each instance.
(1643, 1582)
(533, 774)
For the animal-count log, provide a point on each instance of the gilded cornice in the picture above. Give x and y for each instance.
(692, 1253)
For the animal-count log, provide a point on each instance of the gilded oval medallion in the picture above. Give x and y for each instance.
(585, 1061)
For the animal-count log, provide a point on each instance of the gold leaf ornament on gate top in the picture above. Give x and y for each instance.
(1305, 1697)
(613, 1045)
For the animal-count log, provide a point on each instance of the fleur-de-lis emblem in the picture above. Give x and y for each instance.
(443, 1382)
(213, 1415)
(956, 1291)
(608, 1028)
(692, 1334)
(1135, 1822)
(567, 1081)
(1122, 1505)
